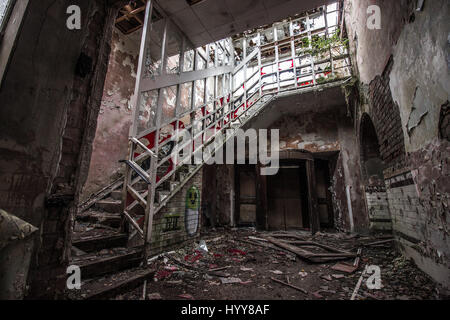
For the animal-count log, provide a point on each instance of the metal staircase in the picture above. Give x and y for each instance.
(187, 98)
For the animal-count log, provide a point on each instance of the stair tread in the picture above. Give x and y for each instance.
(100, 242)
(112, 285)
(114, 253)
(108, 261)
(94, 232)
(96, 235)
(109, 200)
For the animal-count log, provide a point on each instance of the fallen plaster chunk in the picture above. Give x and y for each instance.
(230, 280)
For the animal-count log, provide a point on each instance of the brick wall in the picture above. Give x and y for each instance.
(386, 119)
(167, 233)
(419, 204)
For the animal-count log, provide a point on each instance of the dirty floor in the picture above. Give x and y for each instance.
(239, 265)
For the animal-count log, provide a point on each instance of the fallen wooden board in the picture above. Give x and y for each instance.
(306, 243)
(378, 242)
(100, 292)
(290, 285)
(186, 266)
(344, 267)
(311, 256)
(264, 245)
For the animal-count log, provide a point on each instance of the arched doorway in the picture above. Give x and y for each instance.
(372, 166)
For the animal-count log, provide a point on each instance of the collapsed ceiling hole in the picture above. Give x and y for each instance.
(132, 16)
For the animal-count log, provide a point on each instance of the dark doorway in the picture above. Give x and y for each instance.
(288, 197)
(324, 197)
(246, 197)
(372, 164)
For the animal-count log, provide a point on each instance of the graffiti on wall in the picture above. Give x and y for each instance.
(171, 223)
(192, 214)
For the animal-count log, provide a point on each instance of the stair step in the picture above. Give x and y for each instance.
(93, 244)
(108, 219)
(98, 266)
(110, 287)
(116, 194)
(109, 205)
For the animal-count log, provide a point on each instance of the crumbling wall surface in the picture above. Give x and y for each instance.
(350, 160)
(114, 120)
(218, 194)
(408, 104)
(420, 84)
(49, 104)
(371, 48)
(420, 80)
(313, 132)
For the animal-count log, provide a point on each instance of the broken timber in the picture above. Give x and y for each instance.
(335, 254)
(289, 285)
(186, 266)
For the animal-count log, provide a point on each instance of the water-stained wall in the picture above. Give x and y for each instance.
(114, 120)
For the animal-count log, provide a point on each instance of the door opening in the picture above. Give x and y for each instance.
(287, 194)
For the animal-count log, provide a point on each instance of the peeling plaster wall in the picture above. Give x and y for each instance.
(313, 132)
(407, 100)
(218, 194)
(372, 48)
(420, 84)
(115, 117)
(420, 80)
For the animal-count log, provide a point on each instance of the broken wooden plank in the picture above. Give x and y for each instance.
(311, 256)
(300, 252)
(378, 242)
(264, 245)
(358, 258)
(306, 243)
(100, 291)
(289, 285)
(358, 285)
(186, 266)
(344, 267)
(219, 269)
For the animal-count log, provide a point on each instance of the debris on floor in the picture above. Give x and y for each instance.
(244, 257)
